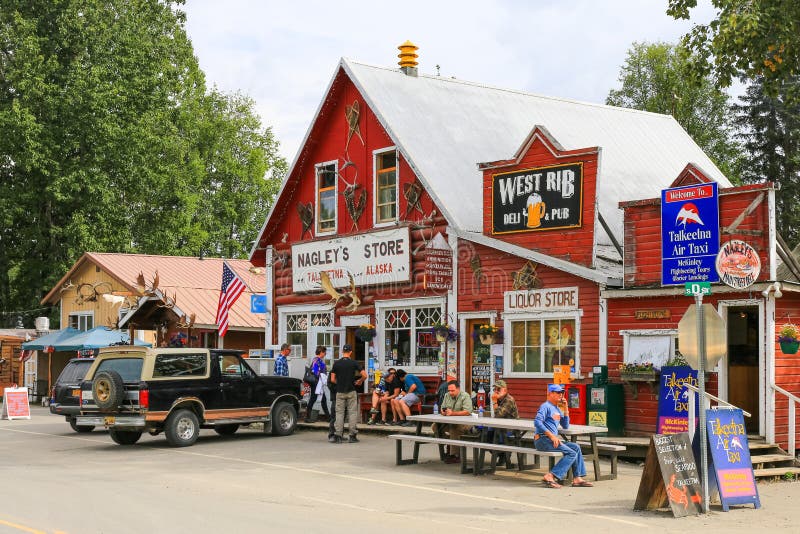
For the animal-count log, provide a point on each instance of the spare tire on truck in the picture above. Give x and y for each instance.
(108, 390)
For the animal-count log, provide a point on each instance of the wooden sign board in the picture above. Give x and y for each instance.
(15, 404)
(670, 477)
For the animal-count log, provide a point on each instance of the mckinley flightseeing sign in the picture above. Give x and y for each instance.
(689, 234)
(544, 198)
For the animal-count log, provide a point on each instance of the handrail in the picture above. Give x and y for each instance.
(792, 401)
(725, 405)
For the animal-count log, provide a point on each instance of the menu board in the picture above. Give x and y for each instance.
(730, 458)
(481, 375)
(15, 404)
(673, 399)
(670, 477)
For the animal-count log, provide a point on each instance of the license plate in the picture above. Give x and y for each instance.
(76, 393)
(110, 420)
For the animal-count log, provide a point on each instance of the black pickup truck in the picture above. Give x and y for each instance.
(132, 390)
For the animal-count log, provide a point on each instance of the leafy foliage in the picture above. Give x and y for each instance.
(112, 143)
(655, 78)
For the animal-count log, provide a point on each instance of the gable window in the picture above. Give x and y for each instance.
(81, 321)
(386, 187)
(326, 198)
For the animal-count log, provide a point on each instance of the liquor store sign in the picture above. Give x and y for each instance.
(538, 300)
(373, 258)
(543, 198)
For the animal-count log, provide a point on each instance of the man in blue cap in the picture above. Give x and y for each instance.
(553, 414)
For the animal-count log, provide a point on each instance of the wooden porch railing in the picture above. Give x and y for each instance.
(793, 400)
(706, 404)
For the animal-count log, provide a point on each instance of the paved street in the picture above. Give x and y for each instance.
(53, 480)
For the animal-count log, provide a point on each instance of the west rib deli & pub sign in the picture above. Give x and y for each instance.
(542, 198)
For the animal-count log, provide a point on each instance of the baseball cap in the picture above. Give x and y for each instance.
(555, 388)
(500, 384)
(347, 348)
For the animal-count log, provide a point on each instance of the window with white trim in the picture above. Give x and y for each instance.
(537, 344)
(81, 321)
(326, 198)
(297, 327)
(407, 335)
(385, 187)
(655, 346)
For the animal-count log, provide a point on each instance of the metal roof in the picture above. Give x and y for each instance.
(444, 127)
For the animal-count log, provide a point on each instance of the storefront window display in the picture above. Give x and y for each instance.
(408, 338)
(537, 345)
(297, 327)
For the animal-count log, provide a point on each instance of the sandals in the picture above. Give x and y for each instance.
(552, 484)
(582, 484)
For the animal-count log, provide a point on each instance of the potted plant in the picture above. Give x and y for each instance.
(638, 372)
(487, 333)
(788, 338)
(444, 332)
(366, 332)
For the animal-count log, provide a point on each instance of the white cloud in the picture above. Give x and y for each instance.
(283, 54)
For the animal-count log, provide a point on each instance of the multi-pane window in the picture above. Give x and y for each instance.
(386, 187)
(537, 345)
(408, 338)
(81, 321)
(298, 327)
(326, 198)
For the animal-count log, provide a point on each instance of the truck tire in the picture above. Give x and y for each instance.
(284, 419)
(226, 430)
(79, 429)
(108, 390)
(125, 437)
(182, 428)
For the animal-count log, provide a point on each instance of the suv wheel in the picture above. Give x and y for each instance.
(108, 390)
(226, 430)
(125, 437)
(284, 419)
(81, 429)
(182, 428)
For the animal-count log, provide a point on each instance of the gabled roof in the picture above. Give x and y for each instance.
(193, 281)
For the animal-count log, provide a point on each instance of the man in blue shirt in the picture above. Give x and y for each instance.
(414, 391)
(281, 365)
(553, 414)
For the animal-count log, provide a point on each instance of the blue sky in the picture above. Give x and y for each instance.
(283, 54)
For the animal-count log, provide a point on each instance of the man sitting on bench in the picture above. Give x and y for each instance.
(401, 406)
(456, 402)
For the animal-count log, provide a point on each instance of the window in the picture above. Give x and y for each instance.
(170, 365)
(386, 187)
(130, 369)
(298, 327)
(648, 346)
(81, 321)
(407, 336)
(326, 198)
(539, 344)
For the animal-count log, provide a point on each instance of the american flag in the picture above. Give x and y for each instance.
(232, 287)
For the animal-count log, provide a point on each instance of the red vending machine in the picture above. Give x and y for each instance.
(576, 402)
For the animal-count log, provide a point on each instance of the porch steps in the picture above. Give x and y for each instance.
(770, 462)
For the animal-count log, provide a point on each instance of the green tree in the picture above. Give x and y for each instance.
(770, 131)
(654, 78)
(749, 38)
(108, 141)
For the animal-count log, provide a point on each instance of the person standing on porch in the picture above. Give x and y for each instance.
(281, 364)
(553, 414)
(347, 375)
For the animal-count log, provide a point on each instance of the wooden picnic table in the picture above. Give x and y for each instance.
(520, 425)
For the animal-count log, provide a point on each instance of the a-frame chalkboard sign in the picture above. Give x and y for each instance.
(670, 477)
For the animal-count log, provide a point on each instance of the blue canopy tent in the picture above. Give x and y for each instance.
(99, 337)
(53, 339)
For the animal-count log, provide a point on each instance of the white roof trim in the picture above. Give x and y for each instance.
(538, 257)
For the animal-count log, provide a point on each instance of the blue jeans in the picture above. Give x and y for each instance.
(573, 457)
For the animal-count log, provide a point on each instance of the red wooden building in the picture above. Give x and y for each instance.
(523, 190)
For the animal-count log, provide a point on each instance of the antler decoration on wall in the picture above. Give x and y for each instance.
(306, 213)
(352, 113)
(352, 294)
(87, 292)
(526, 278)
(413, 194)
(477, 270)
(354, 200)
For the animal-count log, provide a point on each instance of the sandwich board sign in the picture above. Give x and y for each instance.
(15, 404)
(670, 477)
(730, 466)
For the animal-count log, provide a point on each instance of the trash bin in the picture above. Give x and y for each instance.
(607, 408)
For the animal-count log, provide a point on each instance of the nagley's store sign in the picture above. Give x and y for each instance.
(544, 198)
(541, 300)
(373, 258)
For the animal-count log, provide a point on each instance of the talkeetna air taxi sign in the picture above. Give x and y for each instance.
(689, 234)
(544, 198)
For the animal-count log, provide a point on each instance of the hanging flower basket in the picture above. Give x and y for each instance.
(789, 338)
(487, 339)
(366, 332)
(444, 333)
(490, 334)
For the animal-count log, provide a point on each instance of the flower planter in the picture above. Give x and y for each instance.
(650, 376)
(441, 337)
(487, 339)
(790, 347)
